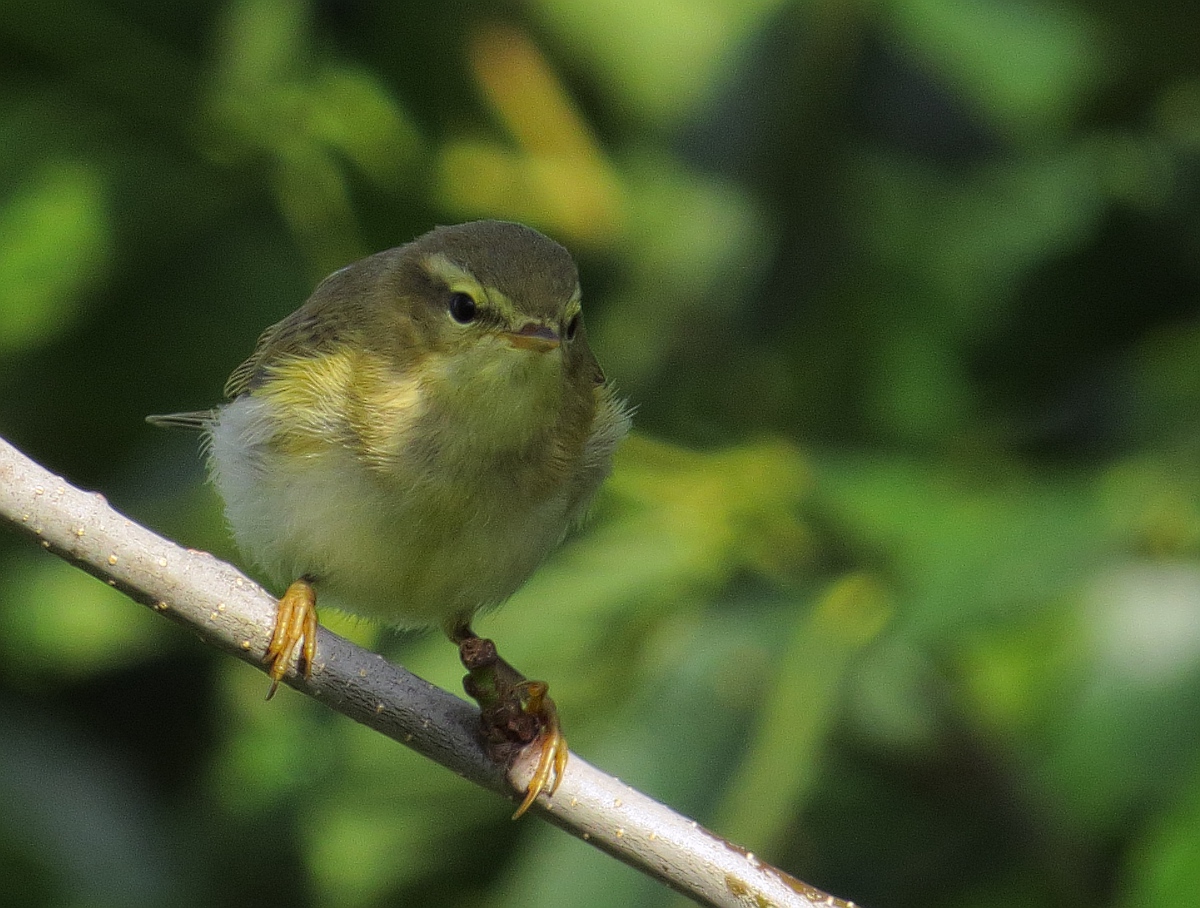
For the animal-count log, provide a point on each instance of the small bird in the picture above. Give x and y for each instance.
(413, 441)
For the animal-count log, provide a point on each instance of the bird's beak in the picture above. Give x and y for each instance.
(534, 337)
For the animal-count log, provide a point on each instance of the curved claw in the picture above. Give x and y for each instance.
(514, 713)
(552, 760)
(295, 625)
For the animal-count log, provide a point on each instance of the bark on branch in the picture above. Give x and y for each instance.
(234, 614)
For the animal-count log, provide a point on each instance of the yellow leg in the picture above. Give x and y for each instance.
(514, 712)
(295, 625)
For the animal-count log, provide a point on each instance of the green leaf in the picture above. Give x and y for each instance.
(54, 249)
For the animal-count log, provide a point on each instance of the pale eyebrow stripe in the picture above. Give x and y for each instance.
(437, 263)
(457, 277)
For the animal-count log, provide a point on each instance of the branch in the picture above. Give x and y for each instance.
(234, 614)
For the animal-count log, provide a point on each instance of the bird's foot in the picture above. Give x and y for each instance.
(514, 713)
(295, 625)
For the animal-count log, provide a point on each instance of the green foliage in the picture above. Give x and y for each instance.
(898, 583)
(54, 242)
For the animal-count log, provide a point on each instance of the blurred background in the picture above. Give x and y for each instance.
(897, 585)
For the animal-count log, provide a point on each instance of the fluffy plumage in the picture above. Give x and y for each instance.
(419, 468)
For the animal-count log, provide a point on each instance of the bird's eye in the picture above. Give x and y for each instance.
(572, 328)
(462, 308)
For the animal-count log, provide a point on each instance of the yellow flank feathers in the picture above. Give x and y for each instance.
(414, 440)
(415, 462)
(304, 394)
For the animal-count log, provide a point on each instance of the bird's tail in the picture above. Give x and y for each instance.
(196, 421)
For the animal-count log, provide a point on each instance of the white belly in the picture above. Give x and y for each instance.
(409, 550)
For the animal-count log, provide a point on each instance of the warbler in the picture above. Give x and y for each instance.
(414, 440)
